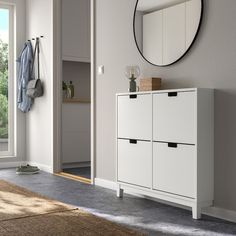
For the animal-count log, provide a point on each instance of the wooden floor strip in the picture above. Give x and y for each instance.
(74, 177)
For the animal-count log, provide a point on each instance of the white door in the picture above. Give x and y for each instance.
(135, 117)
(174, 117)
(174, 169)
(134, 162)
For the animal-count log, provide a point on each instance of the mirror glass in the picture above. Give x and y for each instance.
(164, 30)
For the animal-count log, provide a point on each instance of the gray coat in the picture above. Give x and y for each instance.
(24, 76)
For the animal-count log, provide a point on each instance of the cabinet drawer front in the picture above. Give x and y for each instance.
(174, 117)
(134, 162)
(174, 169)
(134, 116)
(75, 147)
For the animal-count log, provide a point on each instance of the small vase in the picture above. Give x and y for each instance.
(132, 85)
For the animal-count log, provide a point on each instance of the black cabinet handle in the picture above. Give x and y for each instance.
(133, 141)
(133, 96)
(172, 145)
(172, 94)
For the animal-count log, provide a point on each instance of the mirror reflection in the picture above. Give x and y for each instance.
(165, 29)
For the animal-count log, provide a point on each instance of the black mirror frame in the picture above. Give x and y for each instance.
(194, 39)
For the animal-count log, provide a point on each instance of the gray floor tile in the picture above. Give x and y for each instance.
(149, 216)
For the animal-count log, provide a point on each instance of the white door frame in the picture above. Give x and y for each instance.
(57, 91)
(11, 152)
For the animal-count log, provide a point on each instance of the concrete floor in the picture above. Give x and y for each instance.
(146, 215)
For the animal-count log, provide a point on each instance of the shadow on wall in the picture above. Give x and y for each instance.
(225, 147)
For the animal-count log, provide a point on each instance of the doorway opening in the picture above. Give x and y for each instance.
(76, 72)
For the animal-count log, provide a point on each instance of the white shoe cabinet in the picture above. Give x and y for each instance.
(165, 146)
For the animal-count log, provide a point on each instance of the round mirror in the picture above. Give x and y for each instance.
(164, 30)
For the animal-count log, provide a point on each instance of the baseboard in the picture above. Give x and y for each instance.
(105, 183)
(44, 168)
(213, 211)
(220, 213)
(14, 164)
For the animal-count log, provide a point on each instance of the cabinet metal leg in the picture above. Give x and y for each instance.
(196, 212)
(119, 192)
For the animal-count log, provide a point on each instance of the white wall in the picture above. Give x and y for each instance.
(39, 119)
(210, 63)
(19, 6)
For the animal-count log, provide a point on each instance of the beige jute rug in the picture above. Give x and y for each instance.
(23, 213)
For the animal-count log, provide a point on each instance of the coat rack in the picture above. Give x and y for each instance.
(35, 38)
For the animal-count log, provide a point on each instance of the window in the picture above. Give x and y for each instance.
(6, 81)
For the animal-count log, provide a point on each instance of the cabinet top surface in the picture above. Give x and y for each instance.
(165, 91)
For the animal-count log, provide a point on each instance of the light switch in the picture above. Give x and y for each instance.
(101, 70)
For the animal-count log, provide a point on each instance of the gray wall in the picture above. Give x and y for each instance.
(210, 63)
